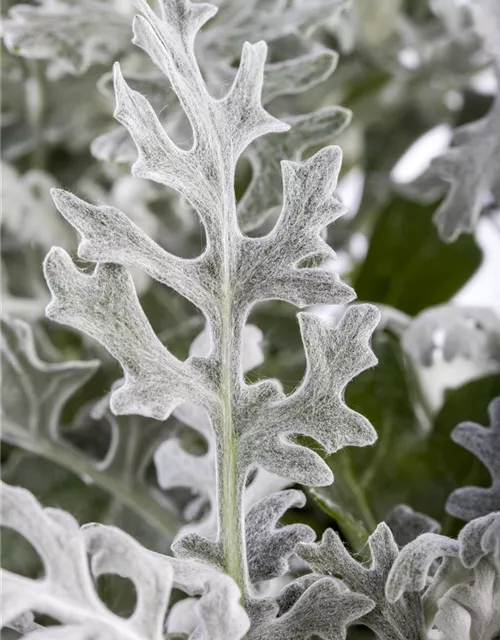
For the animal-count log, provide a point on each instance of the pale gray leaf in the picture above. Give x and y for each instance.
(72, 36)
(325, 610)
(274, 21)
(471, 611)
(410, 571)
(66, 592)
(452, 600)
(28, 211)
(269, 546)
(108, 235)
(479, 538)
(221, 615)
(448, 332)
(34, 392)
(407, 524)
(105, 306)
(264, 192)
(252, 423)
(113, 551)
(484, 442)
(334, 354)
(470, 169)
(389, 619)
(183, 617)
(298, 74)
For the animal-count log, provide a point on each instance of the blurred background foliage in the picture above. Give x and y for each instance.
(405, 67)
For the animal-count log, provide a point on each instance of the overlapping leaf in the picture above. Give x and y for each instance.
(71, 35)
(461, 596)
(472, 166)
(67, 592)
(473, 502)
(391, 621)
(34, 393)
(253, 424)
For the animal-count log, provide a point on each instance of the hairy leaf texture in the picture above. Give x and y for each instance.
(253, 424)
(295, 75)
(72, 35)
(324, 610)
(461, 597)
(264, 191)
(268, 547)
(473, 502)
(472, 166)
(389, 620)
(176, 467)
(67, 592)
(34, 394)
(407, 524)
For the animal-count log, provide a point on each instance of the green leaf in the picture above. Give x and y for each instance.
(405, 257)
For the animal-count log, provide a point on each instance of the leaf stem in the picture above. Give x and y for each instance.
(231, 494)
(139, 501)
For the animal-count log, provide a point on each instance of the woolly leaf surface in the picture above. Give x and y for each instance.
(472, 502)
(330, 557)
(67, 592)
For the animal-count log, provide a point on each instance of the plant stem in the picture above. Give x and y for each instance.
(231, 493)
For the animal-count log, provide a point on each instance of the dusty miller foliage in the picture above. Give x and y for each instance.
(245, 573)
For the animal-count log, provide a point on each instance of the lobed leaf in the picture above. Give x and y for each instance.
(67, 592)
(71, 35)
(389, 621)
(473, 502)
(468, 171)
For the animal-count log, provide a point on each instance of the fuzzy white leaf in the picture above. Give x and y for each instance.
(472, 502)
(461, 597)
(471, 611)
(34, 392)
(334, 355)
(407, 524)
(264, 192)
(72, 35)
(471, 167)
(451, 332)
(252, 424)
(105, 306)
(325, 610)
(410, 571)
(269, 547)
(67, 592)
(391, 621)
(29, 213)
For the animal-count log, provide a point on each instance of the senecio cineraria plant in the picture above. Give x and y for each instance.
(245, 575)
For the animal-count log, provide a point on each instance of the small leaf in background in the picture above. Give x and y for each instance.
(438, 466)
(407, 266)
